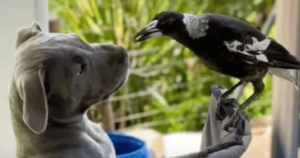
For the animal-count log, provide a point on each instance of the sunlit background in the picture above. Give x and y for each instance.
(166, 98)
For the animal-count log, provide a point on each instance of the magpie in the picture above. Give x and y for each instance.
(228, 46)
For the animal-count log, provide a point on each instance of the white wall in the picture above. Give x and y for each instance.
(13, 15)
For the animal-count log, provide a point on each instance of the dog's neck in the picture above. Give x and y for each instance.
(74, 121)
(56, 132)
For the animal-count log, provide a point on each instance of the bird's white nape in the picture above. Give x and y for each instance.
(196, 26)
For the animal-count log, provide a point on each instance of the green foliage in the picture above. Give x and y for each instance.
(159, 66)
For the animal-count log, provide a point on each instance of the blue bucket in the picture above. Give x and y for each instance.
(129, 147)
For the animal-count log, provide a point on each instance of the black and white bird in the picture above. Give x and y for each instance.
(226, 45)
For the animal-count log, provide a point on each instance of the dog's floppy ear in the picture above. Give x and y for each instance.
(27, 32)
(35, 106)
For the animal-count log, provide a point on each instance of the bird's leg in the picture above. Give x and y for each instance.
(219, 115)
(258, 89)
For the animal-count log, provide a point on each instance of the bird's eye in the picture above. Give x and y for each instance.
(81, 68)
(168, 22)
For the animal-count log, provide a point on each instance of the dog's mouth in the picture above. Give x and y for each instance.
(124, 78)
(105, 97)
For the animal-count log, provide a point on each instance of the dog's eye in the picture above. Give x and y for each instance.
(81, 68)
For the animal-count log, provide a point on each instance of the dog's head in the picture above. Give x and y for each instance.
(59, 76)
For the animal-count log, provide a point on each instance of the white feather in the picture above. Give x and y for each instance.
(257, 46)
(284, 74)
(262, 57)
(196, 26)
(262, 45)
(233, 47)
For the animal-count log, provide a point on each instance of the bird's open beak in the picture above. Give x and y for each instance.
(148, 32)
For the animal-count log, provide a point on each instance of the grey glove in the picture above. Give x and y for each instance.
(217, 143)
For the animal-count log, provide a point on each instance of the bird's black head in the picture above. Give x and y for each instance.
(165, 23)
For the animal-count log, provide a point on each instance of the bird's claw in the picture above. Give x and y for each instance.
(220, 113)
(232, 123)
(237, 115)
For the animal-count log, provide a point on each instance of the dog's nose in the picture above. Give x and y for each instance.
(118, 56)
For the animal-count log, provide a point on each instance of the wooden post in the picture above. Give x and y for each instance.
(285, 99)
(106, 111)
(53, 25)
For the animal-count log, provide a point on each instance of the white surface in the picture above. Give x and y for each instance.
(13, 15)
(182, 143)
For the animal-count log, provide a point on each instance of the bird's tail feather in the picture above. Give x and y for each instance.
(284, 74)
(282, 65)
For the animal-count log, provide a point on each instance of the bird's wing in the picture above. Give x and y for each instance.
(251, 50)
(256, 48)
(250, 44)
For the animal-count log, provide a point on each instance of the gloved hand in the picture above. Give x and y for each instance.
(216, 142)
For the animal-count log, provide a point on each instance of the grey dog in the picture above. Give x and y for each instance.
(56, 78)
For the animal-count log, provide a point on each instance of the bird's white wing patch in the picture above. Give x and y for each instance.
(257, 46)
(262, 45)
(262, 57)
(233, 47)
(196, 26)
